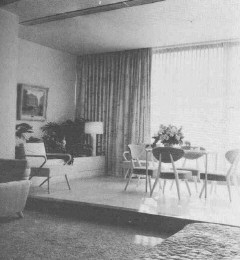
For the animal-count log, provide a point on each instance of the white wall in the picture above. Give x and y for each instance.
(43, 66)
(8, 63)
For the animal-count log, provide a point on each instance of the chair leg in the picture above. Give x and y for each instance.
(229, 190)
(172, 184)
(236, 184)
(126, 173)
(48, 185)
(158, 176)
(44, 182)
(67, 182)
(129, 179)
(138, 181)
(178, 188)
(20, 214)
(215, 187)
(160, 185)
(212, 187)
(150, 184)
(195, 182)
(164, 185)
(202, 190)
(188, 188)
(154, 185)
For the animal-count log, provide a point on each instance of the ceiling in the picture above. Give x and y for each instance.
(170, 22)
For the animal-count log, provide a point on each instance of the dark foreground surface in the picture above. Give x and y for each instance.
(49, 235)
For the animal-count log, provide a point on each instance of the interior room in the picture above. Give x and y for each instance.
(120, 131)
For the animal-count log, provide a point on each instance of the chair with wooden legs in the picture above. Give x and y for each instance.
(126, 163)
(233, 157)
(36, 155)
(142, 164)
(192, 154)
(169, 155)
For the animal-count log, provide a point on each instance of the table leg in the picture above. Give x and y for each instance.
(146, 170)
(206, 171)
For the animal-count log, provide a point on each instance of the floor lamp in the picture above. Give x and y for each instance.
(94, 128)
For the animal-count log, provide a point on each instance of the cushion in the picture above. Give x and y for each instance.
(13, 170)
(171, 175)
(213, 177)
(194, 171)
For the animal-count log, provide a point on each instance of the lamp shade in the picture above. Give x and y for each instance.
(94, 127)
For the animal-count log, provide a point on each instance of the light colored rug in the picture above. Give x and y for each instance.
(43, 236)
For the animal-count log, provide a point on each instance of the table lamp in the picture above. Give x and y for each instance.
(94, 128)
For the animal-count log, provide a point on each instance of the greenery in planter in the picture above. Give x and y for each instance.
(22, 131)
(67, 136)
(22, 135)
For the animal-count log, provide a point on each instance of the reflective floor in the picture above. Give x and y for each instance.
(109, 191)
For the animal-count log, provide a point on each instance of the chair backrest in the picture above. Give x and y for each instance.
(34, 149)
(193, 148)
(165, 153)
(138, 151)
(233, 157)
(193, 152)
(138, 155)
(127, 156)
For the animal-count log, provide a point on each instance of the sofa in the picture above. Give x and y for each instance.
(14, 186)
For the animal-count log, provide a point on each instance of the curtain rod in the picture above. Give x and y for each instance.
(198, 44)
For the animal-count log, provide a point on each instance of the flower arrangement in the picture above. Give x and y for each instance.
(169, 135)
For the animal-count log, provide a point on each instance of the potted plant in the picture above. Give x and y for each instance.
(67, 136)
(168, 135)
(22, 135)
(22, 132)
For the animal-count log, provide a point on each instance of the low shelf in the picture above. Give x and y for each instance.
(83, 167)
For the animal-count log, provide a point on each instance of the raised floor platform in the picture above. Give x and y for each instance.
(104, 197)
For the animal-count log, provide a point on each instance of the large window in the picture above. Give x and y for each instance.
(198, 88)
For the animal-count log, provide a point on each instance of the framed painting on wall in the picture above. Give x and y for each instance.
(31, 102)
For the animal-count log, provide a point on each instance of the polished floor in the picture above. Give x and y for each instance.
(109, 191)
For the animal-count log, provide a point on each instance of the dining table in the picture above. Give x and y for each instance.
(194, 153)
(208, 154)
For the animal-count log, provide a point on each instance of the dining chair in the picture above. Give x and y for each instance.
(37, 157)
(192, 154)
(169, 155)
(232, 156)
(126, 163)
(142, 164)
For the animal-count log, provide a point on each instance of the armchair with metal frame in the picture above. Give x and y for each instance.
(36, 154)
(142, 164)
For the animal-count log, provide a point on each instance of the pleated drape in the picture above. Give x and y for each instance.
(115, 88)
(198, 88)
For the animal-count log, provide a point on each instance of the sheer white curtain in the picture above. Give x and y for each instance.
(198, 88)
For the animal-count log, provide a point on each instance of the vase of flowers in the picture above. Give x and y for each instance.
(168, 135)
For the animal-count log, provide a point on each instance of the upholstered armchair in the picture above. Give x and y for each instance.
(14, 186)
